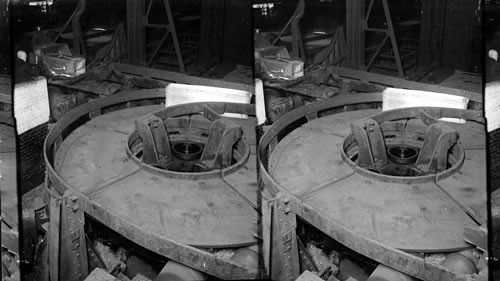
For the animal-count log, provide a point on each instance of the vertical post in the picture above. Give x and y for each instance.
(53, 235)
(355, 15)
(395, 48)
(73, 264)
(426, 26)
(174, 36)
(285, 264)
(78, 42)
(212, 19)
(136, 36)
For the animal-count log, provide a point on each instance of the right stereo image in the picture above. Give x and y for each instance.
(375, 160)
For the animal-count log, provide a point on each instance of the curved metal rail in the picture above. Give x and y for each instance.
(63, 195)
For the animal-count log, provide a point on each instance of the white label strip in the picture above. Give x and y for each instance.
(31, 104)
(182, 93)
(393, 98)
(492, 105)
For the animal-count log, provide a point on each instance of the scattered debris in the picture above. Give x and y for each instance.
(112, 260)
(326, 264)
(435, 258)
(225, 254)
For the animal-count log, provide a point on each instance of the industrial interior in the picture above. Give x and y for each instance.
(247, 140)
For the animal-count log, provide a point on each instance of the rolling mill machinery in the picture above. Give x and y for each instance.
(398, 194)
(178, 182)
(361, 193)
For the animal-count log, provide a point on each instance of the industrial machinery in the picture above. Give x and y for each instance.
(179, 181)
(402, 192)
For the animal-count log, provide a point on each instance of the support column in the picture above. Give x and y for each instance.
(136, 32)
(355, 11)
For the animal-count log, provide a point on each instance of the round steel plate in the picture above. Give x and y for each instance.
(202, 213)
(421, 216)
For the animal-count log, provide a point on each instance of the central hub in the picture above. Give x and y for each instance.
(195, 143)
(403, 143)
(187, 150)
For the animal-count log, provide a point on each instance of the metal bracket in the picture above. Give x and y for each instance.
(73, 262)
(213, 112)
(372, 153)
(285, 263)
(434, 154)
(156, 145)
(218, 150)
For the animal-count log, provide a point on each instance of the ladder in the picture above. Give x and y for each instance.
(138, 21)
(394, 54)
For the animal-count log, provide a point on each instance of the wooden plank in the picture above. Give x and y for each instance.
(355, 15)
(465, 81)
(136, 47)
(212, 17)
(389, 81)
(176, 77)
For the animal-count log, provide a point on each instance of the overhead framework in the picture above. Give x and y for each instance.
(293, 22)
(138, 20)
(389, 35)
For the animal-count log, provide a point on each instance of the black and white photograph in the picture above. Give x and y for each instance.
(301, 140)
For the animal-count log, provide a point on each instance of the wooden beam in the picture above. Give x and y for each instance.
(389, 81)
(212, 22)
(355, 15)
(176, 77)
(136, 32)
(6, 98)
